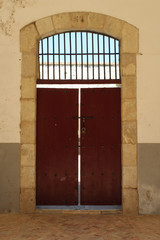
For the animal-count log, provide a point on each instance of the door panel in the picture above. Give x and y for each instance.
(57, 156)
(101, 147)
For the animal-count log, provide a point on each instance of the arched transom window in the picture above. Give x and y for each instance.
(79, 55)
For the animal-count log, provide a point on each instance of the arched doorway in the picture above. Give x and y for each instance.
(128, 35)
(78, 160)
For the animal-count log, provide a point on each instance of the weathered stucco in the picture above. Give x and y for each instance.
(149, 178)
(9, 177)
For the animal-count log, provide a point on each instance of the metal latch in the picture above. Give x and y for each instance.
(83, 122)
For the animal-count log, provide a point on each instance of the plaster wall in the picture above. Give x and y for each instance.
(15, 14)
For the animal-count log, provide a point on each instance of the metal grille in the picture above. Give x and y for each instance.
(79, 56)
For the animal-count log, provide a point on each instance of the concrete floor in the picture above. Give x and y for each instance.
(57, 226)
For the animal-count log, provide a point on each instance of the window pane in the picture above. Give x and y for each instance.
(100, 43)
(112, 45)
(67, 38)
(106, 43)
(50, 41)
(79, 55)
(89, 42)
(84, 49)
(73, 42)
(40, 47)
(61, 39)
(79, 42)
(56, 44)
(44, 45)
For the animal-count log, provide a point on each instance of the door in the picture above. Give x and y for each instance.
(57, 152)
(101, 146)
(57, 147)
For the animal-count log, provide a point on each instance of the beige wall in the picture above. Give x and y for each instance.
(143, 14)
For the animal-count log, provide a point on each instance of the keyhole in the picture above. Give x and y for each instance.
(83, 130)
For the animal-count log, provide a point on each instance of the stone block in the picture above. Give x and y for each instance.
(45, 26)
(28, 88)
(28, 155)
(113, 27)
(129, 132)
(130, 39)
(28, 110)
(129, 109)
(128, 87)
(62, 22)
(128, 64)
(96, 21)
(28, 132)
(129, 179)
(27, 177)
(27, 200)
(129, 154)
(79, 20)
(130, 201)
(28, 39)
(29, 65)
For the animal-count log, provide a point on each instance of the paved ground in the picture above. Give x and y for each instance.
(56, 226)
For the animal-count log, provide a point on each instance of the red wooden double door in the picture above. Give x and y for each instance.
(57, 147)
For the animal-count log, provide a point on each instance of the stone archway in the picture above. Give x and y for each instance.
(129, 39)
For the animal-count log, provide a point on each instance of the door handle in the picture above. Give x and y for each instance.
(83, 122)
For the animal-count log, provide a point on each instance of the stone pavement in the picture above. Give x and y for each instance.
(57, 226)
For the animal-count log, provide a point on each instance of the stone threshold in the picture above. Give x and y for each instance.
(98, 212)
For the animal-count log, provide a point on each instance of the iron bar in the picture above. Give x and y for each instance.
(70, 56)
(76, 51)
(42, 59)
(115, 59)
(104, 58)
(53, 60)
(59, 56)
(87, 54)
(47, 58)
(80, 60)
(98, 56)
(64, 56)
(109, 58)
(81, 56)
(93, 55)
